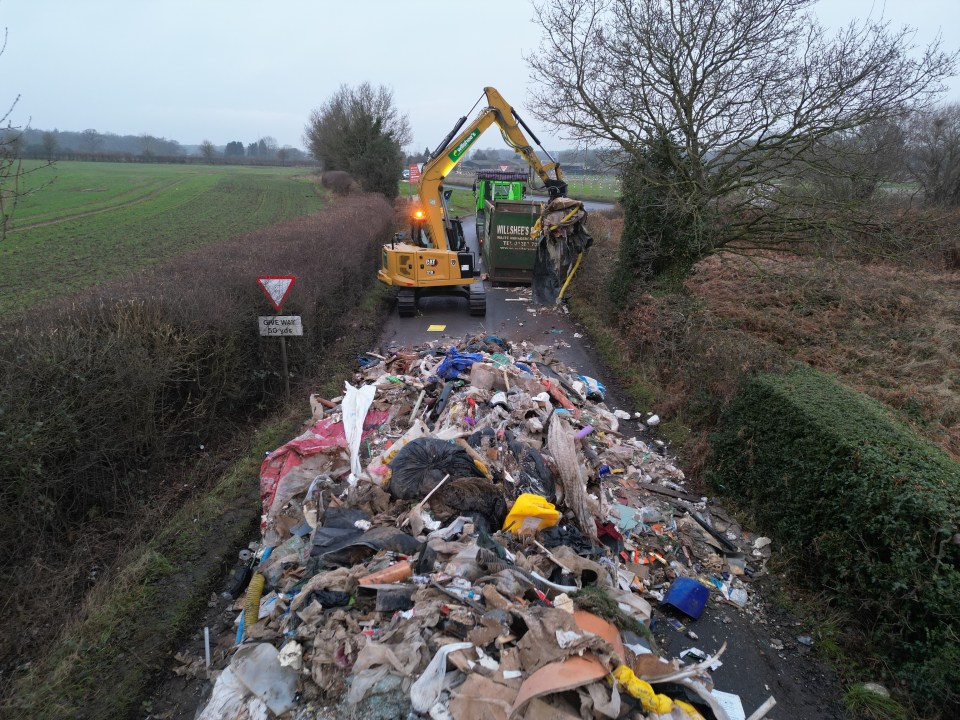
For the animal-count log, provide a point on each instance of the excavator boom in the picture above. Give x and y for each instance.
(436, 260)
(445, 158)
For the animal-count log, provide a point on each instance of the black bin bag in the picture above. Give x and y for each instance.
(422, 463)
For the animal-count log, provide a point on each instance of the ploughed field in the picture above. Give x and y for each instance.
(89, 222)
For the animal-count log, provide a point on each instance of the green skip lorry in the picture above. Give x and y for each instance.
(504, 221)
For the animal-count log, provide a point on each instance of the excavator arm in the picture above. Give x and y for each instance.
(436, 220)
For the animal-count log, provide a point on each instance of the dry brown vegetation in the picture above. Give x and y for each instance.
(891, 332)
(890, 328)
(882, 315)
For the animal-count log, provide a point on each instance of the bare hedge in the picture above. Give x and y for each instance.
(98, 394)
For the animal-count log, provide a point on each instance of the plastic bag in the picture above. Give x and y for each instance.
(456, 362)
(425, 692)
(231, 698)
(531, 512)
(356, 402)
(422, 464)
(258, 667)
(595, 389)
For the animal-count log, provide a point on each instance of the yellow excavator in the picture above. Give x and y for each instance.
(436, 260)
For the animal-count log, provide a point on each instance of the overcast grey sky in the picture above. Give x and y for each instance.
(218, 70)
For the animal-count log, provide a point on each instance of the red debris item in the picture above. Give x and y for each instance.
(326, 435)
(558, 395)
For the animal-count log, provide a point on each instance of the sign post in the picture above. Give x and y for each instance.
(276, 288)
(414, 176)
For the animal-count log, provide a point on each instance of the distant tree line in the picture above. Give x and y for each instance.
(90, 144)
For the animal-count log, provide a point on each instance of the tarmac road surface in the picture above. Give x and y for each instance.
(752, 668)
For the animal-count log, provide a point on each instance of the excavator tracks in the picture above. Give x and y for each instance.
(407, 302)
(478, 299)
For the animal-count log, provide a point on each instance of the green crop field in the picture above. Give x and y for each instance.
(88, 223)
(461, 201)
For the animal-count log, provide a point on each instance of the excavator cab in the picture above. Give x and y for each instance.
(453, 228)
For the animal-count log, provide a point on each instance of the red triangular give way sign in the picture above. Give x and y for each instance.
(277, 287)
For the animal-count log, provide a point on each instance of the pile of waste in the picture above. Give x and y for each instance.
(470, 533)
(562, 239)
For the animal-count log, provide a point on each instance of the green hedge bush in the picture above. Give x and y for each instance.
(872, 510)
(95, 392)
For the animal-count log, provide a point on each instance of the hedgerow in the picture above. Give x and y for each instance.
(106, 396)
(869, 507)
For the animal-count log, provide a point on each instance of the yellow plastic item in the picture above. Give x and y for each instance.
(251, 605)
(641, 690)
(530, 513)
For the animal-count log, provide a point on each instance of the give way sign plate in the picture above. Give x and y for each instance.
(276, 287)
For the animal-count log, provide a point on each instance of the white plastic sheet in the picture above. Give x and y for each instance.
(356, 402)
(230, 698)
(426, 690)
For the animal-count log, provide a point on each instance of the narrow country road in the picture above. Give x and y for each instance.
(804, 689)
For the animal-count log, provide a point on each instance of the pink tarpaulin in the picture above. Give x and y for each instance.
(322, 437)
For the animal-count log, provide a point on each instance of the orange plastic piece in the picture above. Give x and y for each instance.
(391, 574)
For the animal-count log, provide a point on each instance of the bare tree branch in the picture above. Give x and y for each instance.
(12, 172)
(757, 96)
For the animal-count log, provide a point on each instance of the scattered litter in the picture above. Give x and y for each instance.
(731, 703)
(469, 530)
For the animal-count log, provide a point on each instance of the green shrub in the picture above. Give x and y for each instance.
(666, 230)
(870, 507)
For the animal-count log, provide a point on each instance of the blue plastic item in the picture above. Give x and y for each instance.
(688, 596)
(456, 362)
(595, 389)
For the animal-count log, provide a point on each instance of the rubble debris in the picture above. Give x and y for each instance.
(468, 532)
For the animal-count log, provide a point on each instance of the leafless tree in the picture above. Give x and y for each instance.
(208, 150)
(91, 140)
(149, 144)
(12, 172)
(850, 166)
(268, 146)
(743, 91)
(10, 168)
(934, 154)
(49, 141)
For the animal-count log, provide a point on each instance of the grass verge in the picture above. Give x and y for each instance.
(124, 634)
(640, 389)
